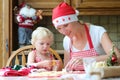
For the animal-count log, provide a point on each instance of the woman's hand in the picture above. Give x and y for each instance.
(75, 64)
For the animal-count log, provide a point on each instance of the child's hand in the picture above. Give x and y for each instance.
(57, 65)
(47, 64)
(32, 64)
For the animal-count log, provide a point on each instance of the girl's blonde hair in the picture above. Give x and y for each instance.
(40, 33)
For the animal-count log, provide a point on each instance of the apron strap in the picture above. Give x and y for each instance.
(88, 37)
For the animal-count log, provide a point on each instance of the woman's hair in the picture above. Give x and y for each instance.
(40, 33)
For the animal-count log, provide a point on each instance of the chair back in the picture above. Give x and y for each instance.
(19, 57)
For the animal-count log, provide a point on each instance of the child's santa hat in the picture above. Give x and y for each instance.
(63, 14)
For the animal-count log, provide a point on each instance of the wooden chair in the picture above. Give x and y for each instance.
(19, 57)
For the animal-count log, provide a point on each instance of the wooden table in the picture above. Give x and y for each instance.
(64, 77)
(26, 78)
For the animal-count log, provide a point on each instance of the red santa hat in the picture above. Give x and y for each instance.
(63, 14)
(22, 5)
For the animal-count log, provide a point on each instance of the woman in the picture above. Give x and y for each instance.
(81, 39)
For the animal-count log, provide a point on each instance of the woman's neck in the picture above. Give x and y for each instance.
(80, 40)
(80, 33)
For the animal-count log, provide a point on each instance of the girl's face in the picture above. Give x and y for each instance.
(42, 45)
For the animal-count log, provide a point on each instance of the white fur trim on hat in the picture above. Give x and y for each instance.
(77, 12)
(64, 20)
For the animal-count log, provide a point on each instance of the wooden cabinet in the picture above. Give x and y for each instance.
(97, 7)
(86, 7)
(45, 5)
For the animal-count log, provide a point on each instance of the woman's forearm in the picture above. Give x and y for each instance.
(101, 58)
